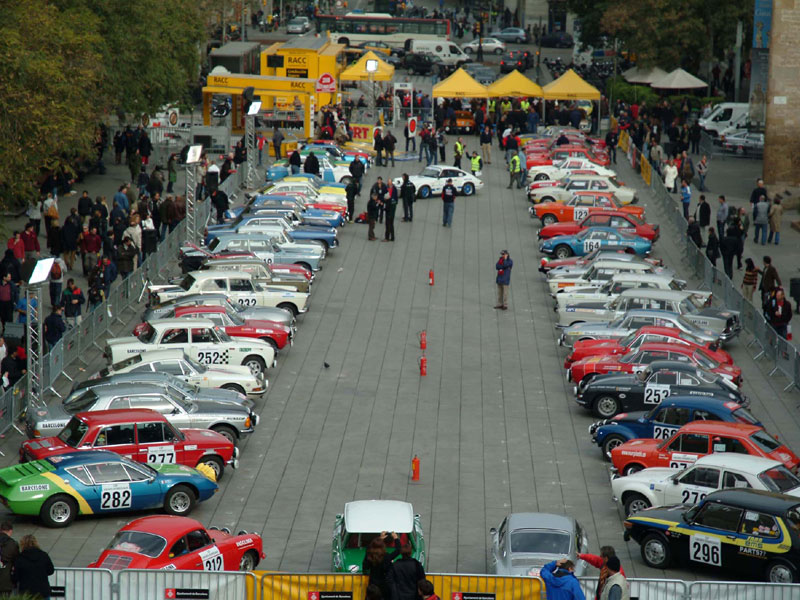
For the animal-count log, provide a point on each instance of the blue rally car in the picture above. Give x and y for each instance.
(256, 223)
(59, 488)
(593, 238)
(310, 216)
(664, 419)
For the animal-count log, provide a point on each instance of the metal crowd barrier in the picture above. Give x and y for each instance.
(136, 584)
(732, 590)
(79, 584)
(644, 589)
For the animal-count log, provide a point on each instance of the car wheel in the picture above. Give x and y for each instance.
(234, 387)
(562, 251)
(780, 571)
(606, 407)
(226, 431)
(271, 342)
(655, 551)
(468, 189)
(468, 50)
(611, 442)
(549, 219)
(425, 191)
(306, 266)
(633, 503)
(249, 561)
(547, 199)
(288, 306)
(632, 468)
(179, 501)
(520, 41)
(256, 364)
(58, 511)
(498, 51)
(216, 465)
(541, 177)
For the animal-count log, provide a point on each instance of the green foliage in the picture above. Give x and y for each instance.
(618, 89)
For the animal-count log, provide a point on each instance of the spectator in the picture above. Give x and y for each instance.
(121, 199)
(9, 550)
(90, 244)
(277, 142)
(702, 172)
(72, 299)
(779, 312)
(9, 293)
(616, 586)
(686, 197)
(410, 138)
(389, 144)
(600, 562)
(770, 280)
(31, 242)
(96, 292)
(743, 225)
(408, 572)
(448, 203)
(712, 247)
(670, 176)
(560, 581)
(32, 569)
(311, 164)
(378, 564)
(408, 192)
(757, 194)
(11, 367)
(390, 206)
(356, 170)
(219, 200)
(17, 246)
(172, 172)
(12, 266)
(57, 280)
(722, 215)
(70, 233)
(729, 247)
(372, 215)
(295, 162)
(775, 215)
(750, 279)
(165, 214)
(503, 280)
(85, 206)
(134, 231)
(24, 307)
(126, 257)
(54, 326)
(426, 591)
(761, 220)
(109, 273)
(694, 233)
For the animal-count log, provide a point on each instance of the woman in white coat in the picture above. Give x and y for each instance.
(670, 176)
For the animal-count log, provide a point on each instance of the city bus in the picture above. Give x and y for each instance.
(356, 28)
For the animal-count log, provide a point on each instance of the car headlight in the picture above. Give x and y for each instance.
(247, 423)
(354, 569)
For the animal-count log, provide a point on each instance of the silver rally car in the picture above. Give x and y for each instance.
(166, 310)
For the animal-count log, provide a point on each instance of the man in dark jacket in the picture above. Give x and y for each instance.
(109, 271)
(694, 233)
(72, 300)
(560, 581)
(219, 200)
(9, 550)
(11, 367)
(612, 138)
(350, 191)
(372, 215)
(126, 258)
(503, 280)
(377, 144)
(357, 171)
(408, 572)
(703, 212)
(389, 144)
(728, 247)
(32, 569)
(85, 206)
(408, 192)
(770, 280)
(311, 165)
(390, 206)
(295, 162)
(54, 326)
(380, 189)
(778, 312)
(449, 193)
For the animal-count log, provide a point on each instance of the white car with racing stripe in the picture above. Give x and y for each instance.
(434, 177)
(568, 166)
(200, 339)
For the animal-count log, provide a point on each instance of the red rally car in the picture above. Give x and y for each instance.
(180, 543)
(309, 202)
(140, 434)
(697, 439)
(583, 349)
(637, 360)
(537, 158)
(622, 220)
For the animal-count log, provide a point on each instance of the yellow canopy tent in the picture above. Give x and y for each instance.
(570, 86)
(459, 85)
(358, 71)
(514, 85)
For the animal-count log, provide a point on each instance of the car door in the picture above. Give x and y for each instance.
(684, 450)
(499, 554)
(658, 387)
(582, 205)
(594, 240)
(714, 533)
(113, 490)
(205, 347)
(161, 403)
(174, 338)
(158, 444)
(668, 420)
(692, 485)
(204, 553)
(242, 290)
(117, 438)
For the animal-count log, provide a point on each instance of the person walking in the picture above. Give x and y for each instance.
(775, 215)
(408, 572)
(770, 280)
(503, 267)
(513, 171)
(728, 247)
(600, 562)
(476, 164)
(612, 139)
(686, 197)
(57, 280)
(778, 312)
(712, 246)
(722, 215)
(743, 224)
(9, 551)
(616, 586)
(761, 221)
(458, 152)
(72, 299)
(486, 144)
(750, 279)
(32, 569)
(408, 192)
(758, 192)
(448, 203)
(372, 215)
(389, 145)
(560, 581)
(390, 208)
(356, 169)
(702, 172)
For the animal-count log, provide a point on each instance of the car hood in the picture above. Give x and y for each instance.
(612, 380)
(652, 475)
(207, 406)
(225, 396)
(55, 415)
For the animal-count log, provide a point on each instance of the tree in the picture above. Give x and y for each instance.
(50, 80)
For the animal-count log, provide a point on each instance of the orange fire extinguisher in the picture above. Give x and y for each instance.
(415, 468)
(430, 277)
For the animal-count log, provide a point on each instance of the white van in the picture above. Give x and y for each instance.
(722, 116)
(739, 125)
(444, 50)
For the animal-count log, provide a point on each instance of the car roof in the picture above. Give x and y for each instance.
(371, 516)
(243, 236)
(760, 500)
(534, 520)
(185, 310)
(658, 294)
(608, 213)
(161, 524)
(127, 389)
(119, 415)
(248, 259)
(83, 457)
(641, 277)
(165, 354)
(604, 263)
(219, 273)
(666, 346)
(675, 365)
(720, 427)
(649, 312)
(182, 323)
(122, 378)
(593, 193)
(743, 462)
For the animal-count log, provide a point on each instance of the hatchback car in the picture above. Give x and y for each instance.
(511, 35)
(489, 44)
(298, 25)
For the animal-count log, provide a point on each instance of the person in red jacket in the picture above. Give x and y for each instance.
(90, 244)
(17, 246)
(599, 562)
(31, 242)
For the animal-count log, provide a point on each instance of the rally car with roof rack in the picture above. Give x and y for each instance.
(618, 219)
(433, 178)
(620, 283)
(697, 439)
(592, 238)
(665, 487)
(664, 419)
(142, 435)
(180, 543)
(750, 533)
(566, 167)
(60, 488)
(201, 339)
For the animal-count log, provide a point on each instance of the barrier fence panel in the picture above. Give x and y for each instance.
(166, 584)
(55, 359)
(81, 584)
(86, 333)
(644, 589)
(767, 339)
(730, 590)
(785, 359)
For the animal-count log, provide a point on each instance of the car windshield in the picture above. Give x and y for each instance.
(139, 542)
(540, 541)
(236, 320)
(779, 479)
(236, 307)
(765, 442)
(187, 282)
(132, 360)
(687, 306)
(223, 337)
(707, 377)
(80, 403)
(745, 416)
(430, 172)
(675, 285)
(73, 433)
(214, 243)
(147, 334)
(704, 360)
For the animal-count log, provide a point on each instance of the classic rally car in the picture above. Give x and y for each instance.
(664, 487)
(200, 339)
(256, 223)
(238, 285)
(267, 248)
(598, 272)
(525, 542)
(698, 439)
(566, 167)
(330, 171)
(166, 310)
(231, 419)
(536, 158)
(434, 177)
(621, 220)
(619, 283)
(751, 533)
(463, 122)
(663, 420)
(637, 360)
(294, 206)
(563, 190)
(336, 153)
(548, 264)
(363, 521)
(577, 205)
(60, 488)
(140, 434)
(592, 238)
(630, 322)
(666, 335)
(181, 543)
(263, 273)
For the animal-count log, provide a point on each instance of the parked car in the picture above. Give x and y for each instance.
(263, 273)
(97, 482)
(434, 177)
(166, 310)
(592, 238)
(464, 122)
(620, 220)
(489, 44)
(557, 39)
(180, 543)
(565, 168)
(268, 248)
(563, 265)
(511, 34)
(525, 542)
(363, 521)
(596, 155)
(744, 143)
(605, 187)
(597, 272)
(256, 223)
(420, 63)
(298, 25)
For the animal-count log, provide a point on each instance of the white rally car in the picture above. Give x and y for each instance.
(434, 177)
(200, 339)
(238, 285)
(568, 166)
(309, 188)
(662, 487)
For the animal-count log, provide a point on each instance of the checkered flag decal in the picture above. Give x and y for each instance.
(224, 358)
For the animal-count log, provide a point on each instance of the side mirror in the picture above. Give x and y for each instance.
(493, 531)
(674, 481)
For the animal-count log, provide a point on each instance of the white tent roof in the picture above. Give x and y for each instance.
(646, 76)
(678, 80)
